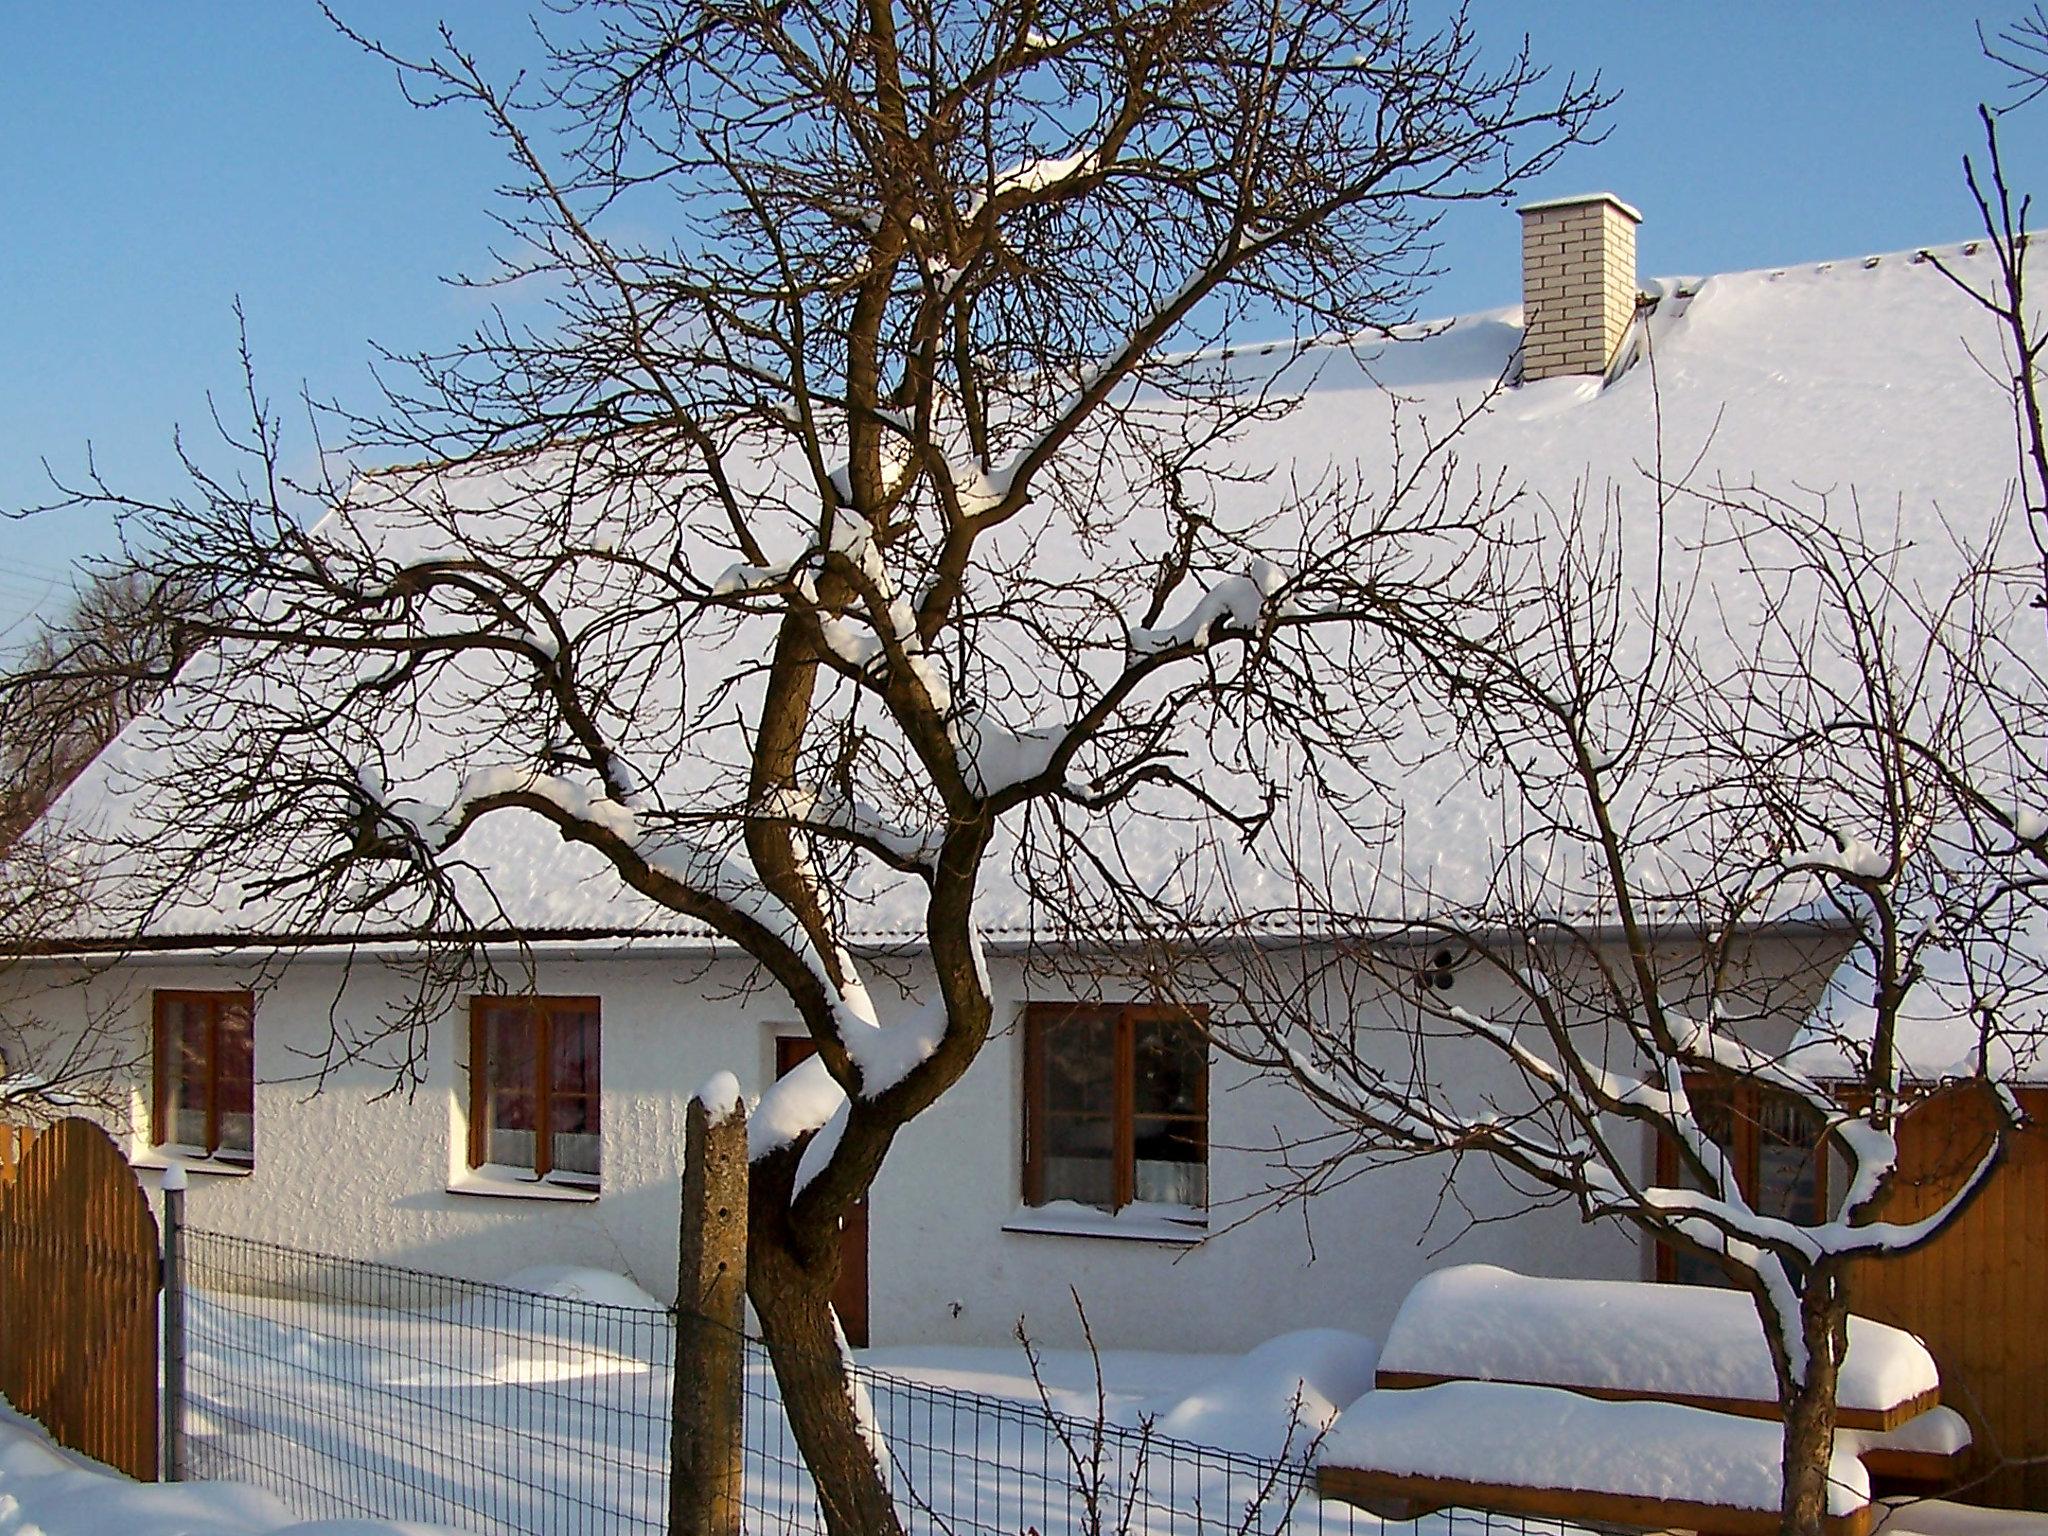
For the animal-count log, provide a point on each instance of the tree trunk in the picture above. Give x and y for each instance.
(1810, 1411)
(795, 1309)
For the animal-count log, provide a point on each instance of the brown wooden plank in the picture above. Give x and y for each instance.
(1389, 1491)
(1742, 1407)
(1925, 1469)
(1978, 1292)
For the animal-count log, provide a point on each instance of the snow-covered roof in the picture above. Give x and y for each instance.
(1830, 376)
(1952, 1025)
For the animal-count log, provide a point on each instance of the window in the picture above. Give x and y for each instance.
(1780, 1161)
(533, 1086)
(204, 1080)
(1116, 1107)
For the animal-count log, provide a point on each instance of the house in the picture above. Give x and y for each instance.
(1094, 1144)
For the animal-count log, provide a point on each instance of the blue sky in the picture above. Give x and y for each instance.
(162, 161)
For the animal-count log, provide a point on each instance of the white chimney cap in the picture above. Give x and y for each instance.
(1578, 200)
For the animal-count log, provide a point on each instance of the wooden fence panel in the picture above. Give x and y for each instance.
(14, 1140)
(1979, 1293)
(79, 1276)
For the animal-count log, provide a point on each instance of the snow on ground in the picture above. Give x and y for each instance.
(504, 1410)
(576, 1282)
(1269, 1403)
(545, 1409)
(1276, 1400)
(1131, 1377)
(48, 1491)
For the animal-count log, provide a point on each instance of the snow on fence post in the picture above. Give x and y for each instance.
(174, 1324)
(704, 1490)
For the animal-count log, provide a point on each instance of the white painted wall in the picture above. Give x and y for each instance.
(356, 1167)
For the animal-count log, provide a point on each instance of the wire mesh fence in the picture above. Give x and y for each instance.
(352, 1388)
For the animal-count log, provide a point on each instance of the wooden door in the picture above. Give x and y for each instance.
(850, 1296)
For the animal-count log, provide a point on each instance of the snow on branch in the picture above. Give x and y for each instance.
(1236, 605)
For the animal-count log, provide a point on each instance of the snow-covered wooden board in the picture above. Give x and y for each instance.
(1546, 1451)
(1630, 1341)
(1930, 1451)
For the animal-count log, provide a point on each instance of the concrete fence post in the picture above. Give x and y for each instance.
(174, 1325)
(705, 1471)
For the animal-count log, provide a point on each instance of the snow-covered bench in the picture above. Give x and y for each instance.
(1631, 1404)
(1630, 1341)
(1559, 1454)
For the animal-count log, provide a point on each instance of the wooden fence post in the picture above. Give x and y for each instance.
(705, 1452)
(174, 1324)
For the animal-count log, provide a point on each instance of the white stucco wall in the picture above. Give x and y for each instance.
(353, 1166)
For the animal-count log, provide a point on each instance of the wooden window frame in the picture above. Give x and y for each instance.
(1745, 1115)
(1038, 1018)
(542, 1010)
(216, 1003)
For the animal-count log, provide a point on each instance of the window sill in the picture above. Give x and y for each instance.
(512, 1184)
(1133, 1224)
(162, 1159)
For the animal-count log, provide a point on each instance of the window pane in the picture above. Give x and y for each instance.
(1077, 1158)
(1168, 1063)
(1788, 1161)
(235, 1078)
(1716, 1117)
(574, 1069)
(573, 1090)
(237, 1042)
(572, 1121)
(237, 1134)
(578, 1154)
(511, 1148)
(1717, 1120)
(1079, 1057)
(184, 1065)
(511, 1105)
(508, 1044)
(1172, 1159)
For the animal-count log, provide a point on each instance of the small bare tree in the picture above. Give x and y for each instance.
(47, 1070)
(80, 679)
(69, 691)
(1779, 727)
(855, 530)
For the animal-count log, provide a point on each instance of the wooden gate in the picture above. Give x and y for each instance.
(78, 1293)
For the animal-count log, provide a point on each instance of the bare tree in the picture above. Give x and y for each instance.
(48, 1069)
(80, 679)
(1747, 722)
(857, 531)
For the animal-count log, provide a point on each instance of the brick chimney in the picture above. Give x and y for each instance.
(1578, 283)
